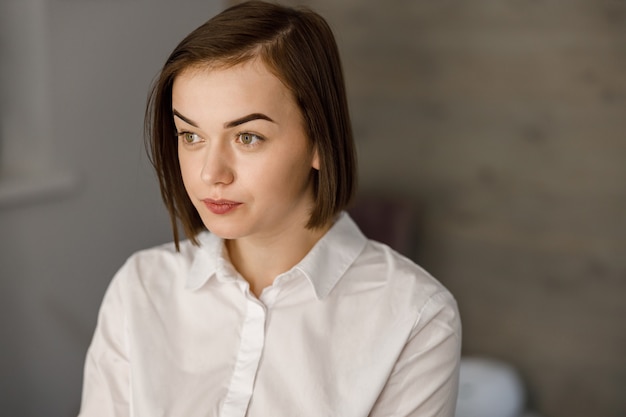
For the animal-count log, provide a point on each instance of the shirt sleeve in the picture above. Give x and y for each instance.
(424, 380)
(106, 375)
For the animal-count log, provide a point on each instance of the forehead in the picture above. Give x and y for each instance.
(227, 92)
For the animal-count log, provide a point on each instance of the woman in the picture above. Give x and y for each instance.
(284, 308)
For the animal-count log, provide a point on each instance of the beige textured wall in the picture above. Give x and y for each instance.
(504, 121)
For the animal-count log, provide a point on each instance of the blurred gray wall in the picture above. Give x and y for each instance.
(504, 123)
(59, 250)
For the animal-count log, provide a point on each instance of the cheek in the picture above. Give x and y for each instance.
(293, 174)
(187, 169)
(265, 176)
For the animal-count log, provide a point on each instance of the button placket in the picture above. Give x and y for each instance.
(247, 363)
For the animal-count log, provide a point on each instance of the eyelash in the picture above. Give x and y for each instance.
(249, 145)
(238, 136)
(182, 135)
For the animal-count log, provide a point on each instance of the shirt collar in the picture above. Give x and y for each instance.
(206, 260)
(332, 255)
(323, 266)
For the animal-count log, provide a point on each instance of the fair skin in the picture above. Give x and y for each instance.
(246, 164)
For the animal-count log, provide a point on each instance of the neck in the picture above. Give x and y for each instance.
(261, 260)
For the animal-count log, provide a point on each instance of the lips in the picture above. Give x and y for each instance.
(220, 206)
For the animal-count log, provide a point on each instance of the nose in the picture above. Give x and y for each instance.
(217, 168)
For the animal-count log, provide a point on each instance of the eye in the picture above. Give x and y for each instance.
(189, 137)
(249, 139)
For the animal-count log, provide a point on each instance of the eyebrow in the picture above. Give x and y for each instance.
(184, 119)
(248, 118)
(232, 123)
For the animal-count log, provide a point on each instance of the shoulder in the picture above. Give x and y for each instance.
(160, 266)
(387, 267)
(405, 286)
(162, 257)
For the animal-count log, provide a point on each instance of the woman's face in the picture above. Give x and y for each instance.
(244, 156)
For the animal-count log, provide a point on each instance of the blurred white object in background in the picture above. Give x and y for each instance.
(489, 388)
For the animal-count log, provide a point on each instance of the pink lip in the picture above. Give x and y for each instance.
(220, 206)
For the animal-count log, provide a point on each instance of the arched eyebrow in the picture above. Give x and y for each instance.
(231, 124)
(246, 119)
(183, 118)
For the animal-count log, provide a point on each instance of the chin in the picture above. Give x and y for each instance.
(226, 235)
(224, 229)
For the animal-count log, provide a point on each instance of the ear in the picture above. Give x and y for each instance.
(315, 162)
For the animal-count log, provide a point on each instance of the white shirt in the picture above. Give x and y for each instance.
(353, 330)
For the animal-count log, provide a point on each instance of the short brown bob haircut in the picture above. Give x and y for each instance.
(298, 46)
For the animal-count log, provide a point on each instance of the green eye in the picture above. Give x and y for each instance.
(249, 138)
(189, 137)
